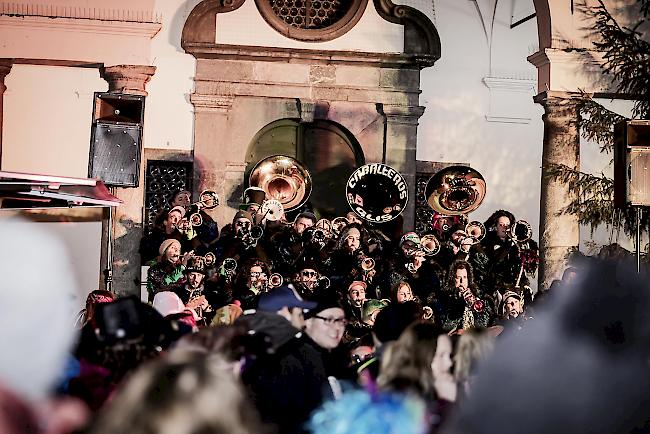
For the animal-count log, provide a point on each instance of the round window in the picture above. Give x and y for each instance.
(312, 20)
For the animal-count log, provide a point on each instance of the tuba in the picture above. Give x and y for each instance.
(377, 193)
(455, 190)
(520, 231)
(476, 230)
(283, 179)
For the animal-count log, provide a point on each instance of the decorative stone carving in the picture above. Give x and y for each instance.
(129, 79)
(201, 24)
(420, 35)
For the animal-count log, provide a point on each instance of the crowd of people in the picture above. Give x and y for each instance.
(322, 326)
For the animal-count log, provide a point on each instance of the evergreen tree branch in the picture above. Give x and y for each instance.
(597, 124)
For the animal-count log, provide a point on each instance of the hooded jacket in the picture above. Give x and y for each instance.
(287, 382)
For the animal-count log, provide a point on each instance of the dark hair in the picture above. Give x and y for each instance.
(460, 264)
(491, 222)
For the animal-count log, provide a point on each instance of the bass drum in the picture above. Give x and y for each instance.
(377, 193)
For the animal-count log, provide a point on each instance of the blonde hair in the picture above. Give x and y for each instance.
(473, 347)
(183, 393)
(406, 363)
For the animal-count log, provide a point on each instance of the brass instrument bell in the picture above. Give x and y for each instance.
(430, 245)
(284, 179)
(520, 231)
(455, 190)
(476, 230)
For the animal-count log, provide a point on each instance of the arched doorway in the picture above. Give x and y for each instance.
(328, 150)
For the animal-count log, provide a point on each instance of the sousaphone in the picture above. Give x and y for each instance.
(455, 190)
(284, 179)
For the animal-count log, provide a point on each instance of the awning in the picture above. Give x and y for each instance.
(26, 191)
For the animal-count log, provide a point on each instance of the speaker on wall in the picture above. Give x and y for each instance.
(116, 139)
(632, 163)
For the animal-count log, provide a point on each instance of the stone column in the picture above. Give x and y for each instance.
(126, 228)
(559, 233)
(215, 165)
(5, 68)
(401, 145)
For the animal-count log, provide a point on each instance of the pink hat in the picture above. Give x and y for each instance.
(167, 303)
(180, 209)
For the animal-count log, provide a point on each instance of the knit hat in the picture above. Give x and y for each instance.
(506, 296)
(410, 236)
(167, 302)
(357, 283)
(226, 315)
(371, 306)
(243, 215)
(179, 209)
(166, 244)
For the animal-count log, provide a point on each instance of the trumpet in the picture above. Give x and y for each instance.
(520, 231)
(338, 224)
(367, 264)
(318, 236)
(229, 268)
(275, 280)
(323, 282)
(475, 230)
(196, 219)
(251, 236)
(326, 226)
(430, 245)
(209, 259)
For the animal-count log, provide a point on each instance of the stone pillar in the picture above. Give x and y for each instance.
(216, 165)
(5, 68)
(126, 228)
(559, 233)
(129, 79)
(401, 145)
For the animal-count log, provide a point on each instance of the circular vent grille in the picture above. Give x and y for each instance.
(310, 14)
(312, 20)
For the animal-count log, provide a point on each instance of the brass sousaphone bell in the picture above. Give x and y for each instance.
(284, 179)
(455, 190)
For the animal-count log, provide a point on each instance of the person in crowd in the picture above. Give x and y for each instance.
(251, 282)
(406, 364)
(473, 347)
(168, 268)
(286, 384)
(183, 393)
(461, 305)
(348, 253)
(126, 333)
(371, 308)
(512, 311)
(291, 244)
(510, 260)
(402, 292)
(191, 289)
(325, 325)
(165, 227)
(353, 306)
(92, 300)
(444, 382)
(208, 231)
(591, 342)
(309, 282)
(359, 411)
(227, 315)
(239, 241)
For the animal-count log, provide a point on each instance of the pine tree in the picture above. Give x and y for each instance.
(627, 61)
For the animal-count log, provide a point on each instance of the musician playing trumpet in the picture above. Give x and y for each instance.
(168, 268)
(191, 291)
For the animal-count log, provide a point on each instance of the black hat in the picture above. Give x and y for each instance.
(195, 264)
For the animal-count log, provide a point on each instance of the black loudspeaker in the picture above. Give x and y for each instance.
(116, 139)
(632, 163)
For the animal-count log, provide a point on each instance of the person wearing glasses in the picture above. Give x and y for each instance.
(307, 280)
(325, 325)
